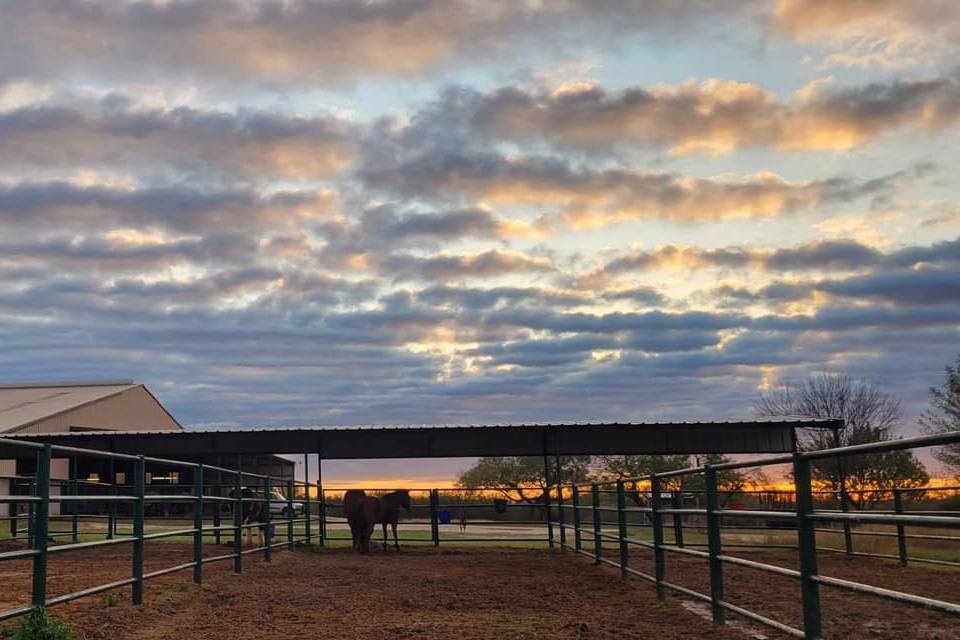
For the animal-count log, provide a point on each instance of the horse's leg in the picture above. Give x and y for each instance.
(396, 542)
(384, 536)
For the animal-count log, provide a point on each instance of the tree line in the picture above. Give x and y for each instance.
(870, 414)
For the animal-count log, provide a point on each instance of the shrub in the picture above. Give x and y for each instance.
(38, 625)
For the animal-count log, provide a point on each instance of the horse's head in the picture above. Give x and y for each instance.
(404, 499)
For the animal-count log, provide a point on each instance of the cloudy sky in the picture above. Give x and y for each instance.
(418, 211)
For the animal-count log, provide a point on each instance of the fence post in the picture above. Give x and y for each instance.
(622, 528)
(290, 514)
(198, 523)
(31, 511)
(677, 503)
(575, 501)
(845, 507)
(74, 505)
(597, 523)
(307, 529)
(713, 544)
(112, 506)
(656, 504)
(238, 523)
(901, 535)
(267, 520)
(546, 509)
(807, 542)
(42, 491)
(218, 491)
(546, 499)
(323, 514)
(139, 471)
(306, 499)
(435, 517)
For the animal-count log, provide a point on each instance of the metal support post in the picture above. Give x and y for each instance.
(139, 471)
(901, 534)
(74, 506)
(575, 500)
(112, 507)
(290, 514)
(306, 499)
(714, 548)
(807, 542)
(660, 565)
(677, 502)
(560, 516)
(238, 523)
(435, 517)
(267, 519)
(622, 529)
(198, 523)
(42, 491)
(546, 498)
(597, 523)
(323, 501)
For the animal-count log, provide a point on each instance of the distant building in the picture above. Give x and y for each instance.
(48, 407)
(107, 405)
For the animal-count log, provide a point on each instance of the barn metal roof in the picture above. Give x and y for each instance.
(750, 435)
(26, 403)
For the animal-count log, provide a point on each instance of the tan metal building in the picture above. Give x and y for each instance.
(52, 407)
(58, 407)
(34, 409)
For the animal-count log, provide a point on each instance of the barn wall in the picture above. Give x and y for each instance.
(131, 410)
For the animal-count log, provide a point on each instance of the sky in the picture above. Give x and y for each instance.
(465, 211)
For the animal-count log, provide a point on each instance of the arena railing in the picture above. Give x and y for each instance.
(589, 517)
(38, 497)
(475, 505)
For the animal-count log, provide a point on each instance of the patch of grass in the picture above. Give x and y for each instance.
(183, 586)
(113, 599)
(39, 625)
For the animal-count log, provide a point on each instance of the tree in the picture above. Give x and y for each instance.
(730, 481)
(944, 416)
(521, 477)
(640, 466)
(869, 414)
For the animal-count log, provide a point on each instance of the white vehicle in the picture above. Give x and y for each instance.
(280, 506)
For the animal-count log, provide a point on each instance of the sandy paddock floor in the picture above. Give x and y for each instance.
(459, 593)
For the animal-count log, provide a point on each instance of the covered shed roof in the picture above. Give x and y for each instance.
(753, 435)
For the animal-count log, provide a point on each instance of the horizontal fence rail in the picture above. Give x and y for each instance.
(609, 520)
(612, 522)
(31, 497)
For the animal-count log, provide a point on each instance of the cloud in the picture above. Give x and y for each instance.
(385, 228)
(317, 42)
(599, 197)
(61, 205)
(114, 132)
(487, 264)
(715, 116)
(902, 288)
(819, 255)
(887, 33)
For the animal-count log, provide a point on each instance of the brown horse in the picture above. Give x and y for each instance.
(390, 513)
(365, 512)
(352, 509)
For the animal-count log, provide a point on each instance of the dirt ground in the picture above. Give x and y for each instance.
(845, 614)
(459, 593)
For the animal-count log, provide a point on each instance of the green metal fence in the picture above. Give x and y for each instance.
(134, 497)
(484, 516)
(590, 523)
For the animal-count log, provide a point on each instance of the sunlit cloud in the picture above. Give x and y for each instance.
(889, 33)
